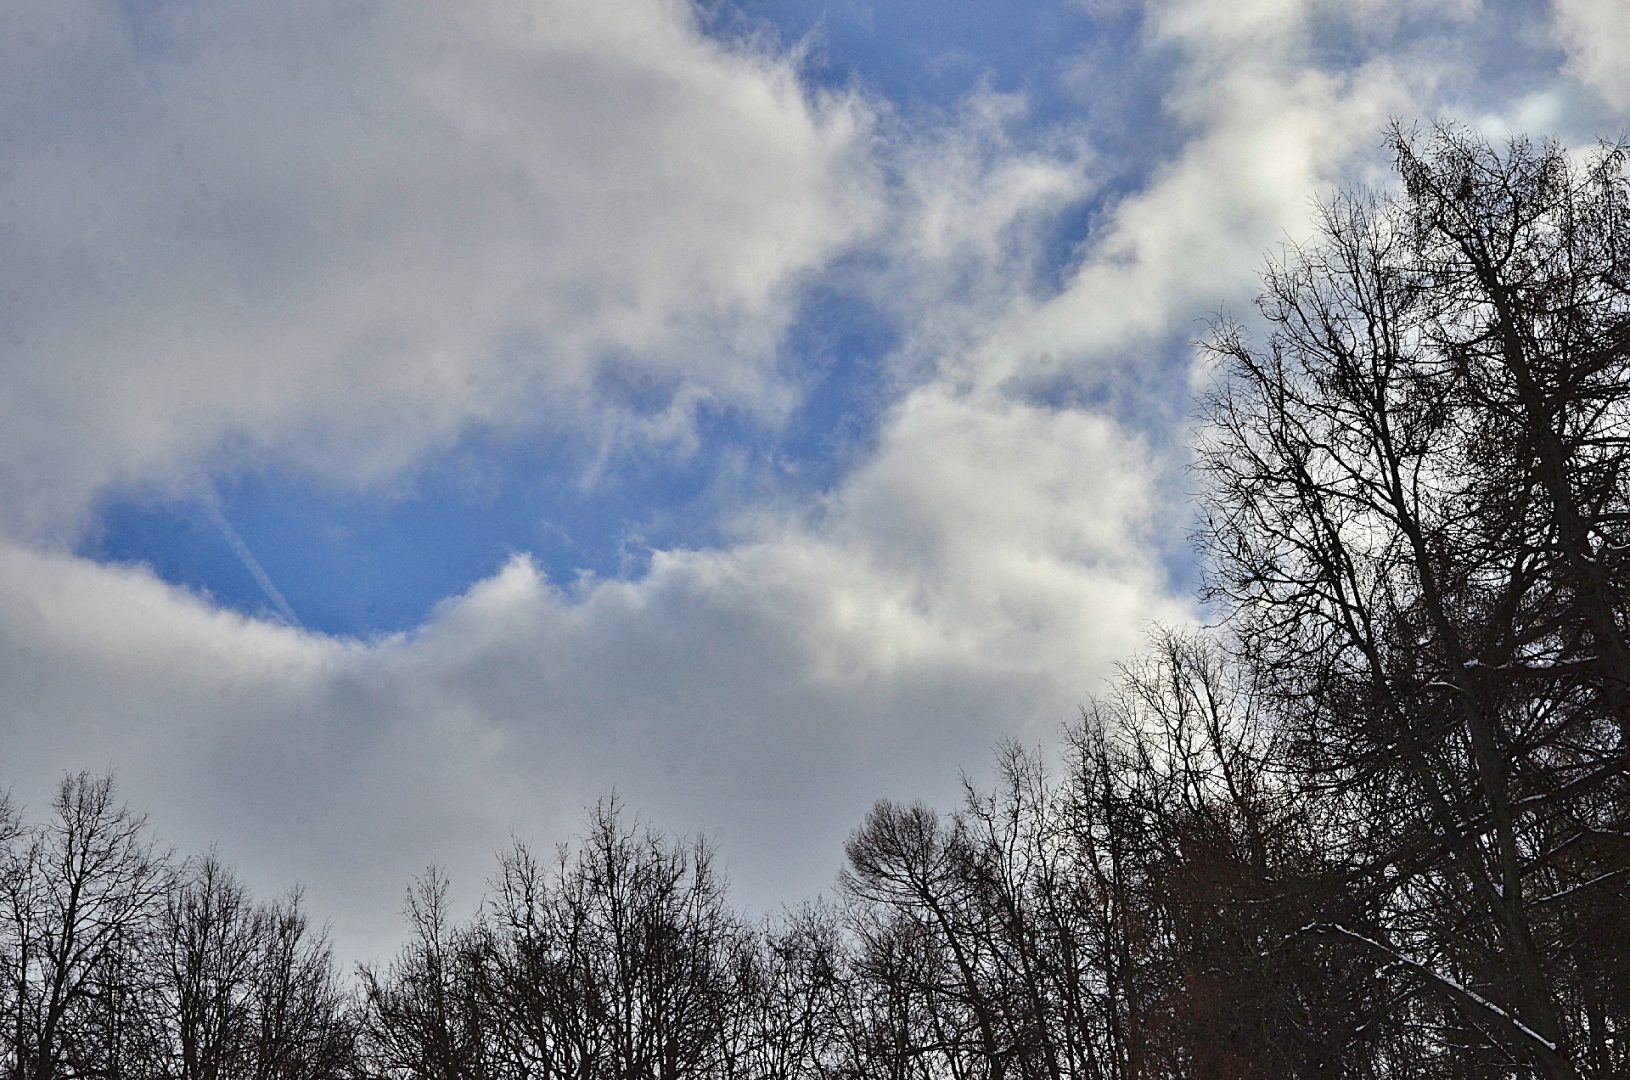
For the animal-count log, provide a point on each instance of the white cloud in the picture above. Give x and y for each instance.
(1270, 131)
(974, 580)
(1594, 33)
(332, 237)
(282, 234)
(1209, 30)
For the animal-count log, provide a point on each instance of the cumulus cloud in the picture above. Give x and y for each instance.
(968, 583)
(333, 237)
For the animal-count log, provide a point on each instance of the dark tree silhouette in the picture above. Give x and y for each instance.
(1419, 517)
(621, 958)
(79, 893)
(118, 963)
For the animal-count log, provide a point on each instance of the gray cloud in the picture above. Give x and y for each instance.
(1594, 32)
(972, 581)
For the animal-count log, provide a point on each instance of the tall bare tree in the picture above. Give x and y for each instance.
(1419, 518)
(80, 893)
(423, 1018)
(204, 971)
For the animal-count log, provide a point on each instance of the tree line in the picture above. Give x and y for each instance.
(1374, 823)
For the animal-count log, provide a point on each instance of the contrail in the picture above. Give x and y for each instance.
(212, 507)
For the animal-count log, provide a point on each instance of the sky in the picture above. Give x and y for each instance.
(418, 422)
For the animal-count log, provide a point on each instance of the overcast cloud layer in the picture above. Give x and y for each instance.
(327, 242)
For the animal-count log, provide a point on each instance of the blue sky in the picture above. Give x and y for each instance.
(416, 425)
(366, 563)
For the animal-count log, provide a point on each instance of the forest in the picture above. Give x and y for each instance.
(1372, 821)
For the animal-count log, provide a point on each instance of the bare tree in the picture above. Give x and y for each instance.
(302, 1028)
(204, 968)
(80, 892)
(789, 1023)
(1419, 518)
(916, 867)
(13, 873)
(422, 1015)
(619, 958)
